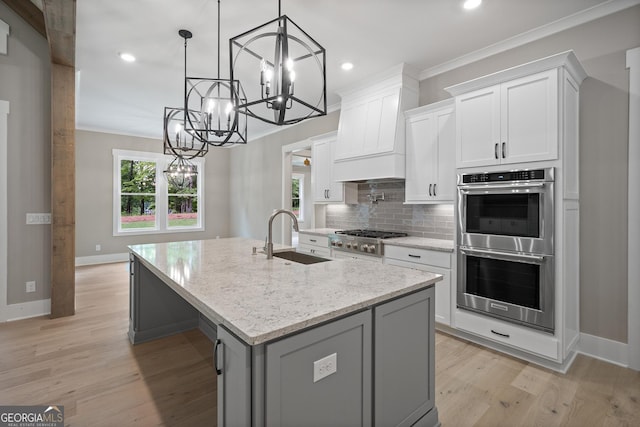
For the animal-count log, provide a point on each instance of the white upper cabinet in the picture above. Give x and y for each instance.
(513, 122)
(516, 115)
(325, 188)
(430, 158)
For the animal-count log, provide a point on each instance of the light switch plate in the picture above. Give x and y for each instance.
(324, 367)
(38, 218)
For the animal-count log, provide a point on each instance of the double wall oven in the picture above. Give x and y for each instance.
(505, 245)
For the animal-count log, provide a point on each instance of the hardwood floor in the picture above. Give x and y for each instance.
(85, 362)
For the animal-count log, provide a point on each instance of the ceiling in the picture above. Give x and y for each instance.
(128, 98)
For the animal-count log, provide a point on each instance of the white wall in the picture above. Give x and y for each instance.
(256, 177)
(94, 194)
(25, 81)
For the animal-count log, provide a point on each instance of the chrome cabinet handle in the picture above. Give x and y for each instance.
(215, 357)
(502, 335)
(434, 189)
(504, 147)
(414, 256)
(328, 193)
(498, 255)
(495, 150)
(482, 187)
(430, 189)
(313, 240)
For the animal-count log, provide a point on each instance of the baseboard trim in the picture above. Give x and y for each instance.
(26, 310)
(101, 259)
(604, 349)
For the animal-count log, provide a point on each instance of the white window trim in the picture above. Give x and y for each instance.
(4, 35)
(162, 161)
(300, 178)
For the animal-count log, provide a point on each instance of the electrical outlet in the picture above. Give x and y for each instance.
(31, 286)
(98, 248)
(324, 367)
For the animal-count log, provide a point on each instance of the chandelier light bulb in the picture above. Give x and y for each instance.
(289, 64)
(211, 106)
(228, 109)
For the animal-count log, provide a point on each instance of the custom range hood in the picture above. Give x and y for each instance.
(371, 140)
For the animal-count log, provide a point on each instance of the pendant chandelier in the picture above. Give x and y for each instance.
(178, 138)
(181, 173)
(287, 68)
(217, 102)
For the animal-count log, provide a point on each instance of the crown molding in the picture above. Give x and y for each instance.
(571, 21)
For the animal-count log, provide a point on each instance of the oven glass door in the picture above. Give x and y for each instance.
(511, 214)
(509, 217)
(517, 287)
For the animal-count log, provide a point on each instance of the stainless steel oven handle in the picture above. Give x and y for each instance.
(501, 186)
(496, 254)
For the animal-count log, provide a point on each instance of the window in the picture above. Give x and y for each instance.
(297, 195)
(145, 202)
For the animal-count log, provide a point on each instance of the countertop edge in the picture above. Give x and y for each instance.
(289, 329)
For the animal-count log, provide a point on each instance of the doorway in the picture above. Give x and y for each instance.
(296, 187)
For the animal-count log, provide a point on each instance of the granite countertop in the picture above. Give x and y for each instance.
(320, 231)
(260, 300)
(421, 243)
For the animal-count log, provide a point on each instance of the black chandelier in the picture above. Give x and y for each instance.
(288, 68)
(178, 139)
(218, 105)
(181, 172)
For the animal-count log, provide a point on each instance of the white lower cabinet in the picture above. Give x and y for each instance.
(313, 244)
(512, 335)
(338, 254)
(427, 260)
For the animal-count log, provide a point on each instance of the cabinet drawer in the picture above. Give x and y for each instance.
(420, 256)
(313, 240)
(519, 337)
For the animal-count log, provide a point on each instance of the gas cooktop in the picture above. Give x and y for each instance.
(372, 234)
(362, 240)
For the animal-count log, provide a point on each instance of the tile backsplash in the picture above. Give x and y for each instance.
(431, 221)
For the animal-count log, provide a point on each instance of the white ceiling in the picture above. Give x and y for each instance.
(129, 98)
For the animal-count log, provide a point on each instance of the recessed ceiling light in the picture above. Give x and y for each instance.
(471, 4)
(127, 57)
(347, 66)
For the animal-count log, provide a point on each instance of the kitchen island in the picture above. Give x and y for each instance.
(341, 342)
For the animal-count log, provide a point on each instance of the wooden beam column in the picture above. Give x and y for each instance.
(60, 21)
(62, 190)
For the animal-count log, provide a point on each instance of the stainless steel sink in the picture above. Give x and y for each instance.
(299, 257)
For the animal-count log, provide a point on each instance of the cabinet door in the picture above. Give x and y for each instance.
(529, 125)
(320, 170)
(421, 157)
(404, 359)
(445, 167)
(233, 358)
(478, 127)
(321, 377)
(443, 287)
(335, 190)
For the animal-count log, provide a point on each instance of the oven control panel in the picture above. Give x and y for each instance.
(522, 175)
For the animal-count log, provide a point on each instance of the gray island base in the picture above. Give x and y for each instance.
(337, 343)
